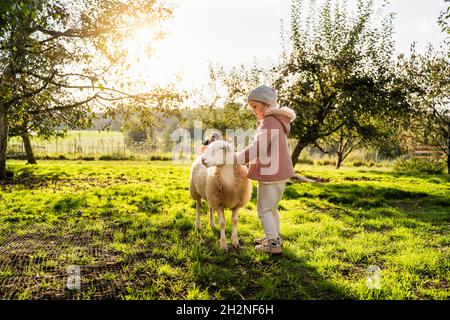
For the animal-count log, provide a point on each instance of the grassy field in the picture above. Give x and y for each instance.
(115, 145)
(89, 141)
(129, 226)
(89, 145)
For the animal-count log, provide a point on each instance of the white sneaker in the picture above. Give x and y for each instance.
(269, 246)
(264, 240)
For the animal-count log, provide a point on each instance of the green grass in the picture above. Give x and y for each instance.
(129, 225)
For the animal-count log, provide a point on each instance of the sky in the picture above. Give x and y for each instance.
(232, 32)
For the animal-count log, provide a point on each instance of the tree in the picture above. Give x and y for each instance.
(358, 131)
(221, 103)
(46, 125)
(230, 116)
(58, 55)
(443, 21)
(338, 72)
(342, 143)
(429, 96)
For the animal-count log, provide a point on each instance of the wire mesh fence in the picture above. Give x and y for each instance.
(117, 147)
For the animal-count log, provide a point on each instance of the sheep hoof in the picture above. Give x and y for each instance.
(236, 245)
(223, 246)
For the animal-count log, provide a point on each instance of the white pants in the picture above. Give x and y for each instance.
(269, 194)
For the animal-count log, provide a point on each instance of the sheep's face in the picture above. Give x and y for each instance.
(218, 154)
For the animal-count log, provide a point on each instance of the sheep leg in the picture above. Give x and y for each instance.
(211, 217)
(198, 205)
(223, 238)
(234, 235)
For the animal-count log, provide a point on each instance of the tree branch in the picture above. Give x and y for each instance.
(319, 147)
(64, 107)
(31, 93)
(62, 85)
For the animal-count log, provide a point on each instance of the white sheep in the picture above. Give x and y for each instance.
(223, 184)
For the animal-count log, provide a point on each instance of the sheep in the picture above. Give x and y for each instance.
(223, 184)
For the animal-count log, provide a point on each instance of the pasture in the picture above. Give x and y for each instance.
(129, 226)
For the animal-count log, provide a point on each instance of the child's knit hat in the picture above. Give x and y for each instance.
(265, 94)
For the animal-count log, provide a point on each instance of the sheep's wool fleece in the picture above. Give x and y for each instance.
(206, 183)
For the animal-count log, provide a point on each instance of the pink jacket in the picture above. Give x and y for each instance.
(270, 137)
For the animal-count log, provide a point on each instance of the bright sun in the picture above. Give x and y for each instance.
(139, 45)
(140, 57)
(143, 61)
(143, 35)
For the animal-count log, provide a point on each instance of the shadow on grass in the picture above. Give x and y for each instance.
(26, 177)
(415, 204)
(209, 272)
(436, 177)
(245, 274)
(176, 262)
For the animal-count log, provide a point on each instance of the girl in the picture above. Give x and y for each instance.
(270, 162)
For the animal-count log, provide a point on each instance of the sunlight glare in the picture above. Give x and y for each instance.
(143, 58)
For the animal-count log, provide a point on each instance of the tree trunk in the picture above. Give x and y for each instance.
(339, 160)
(448, 160)
(296, 153)
(28, 148)
(3, 142)
(448, 150)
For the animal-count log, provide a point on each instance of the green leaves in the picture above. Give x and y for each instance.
(62, 59)
(426, 81)
(337, 72)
